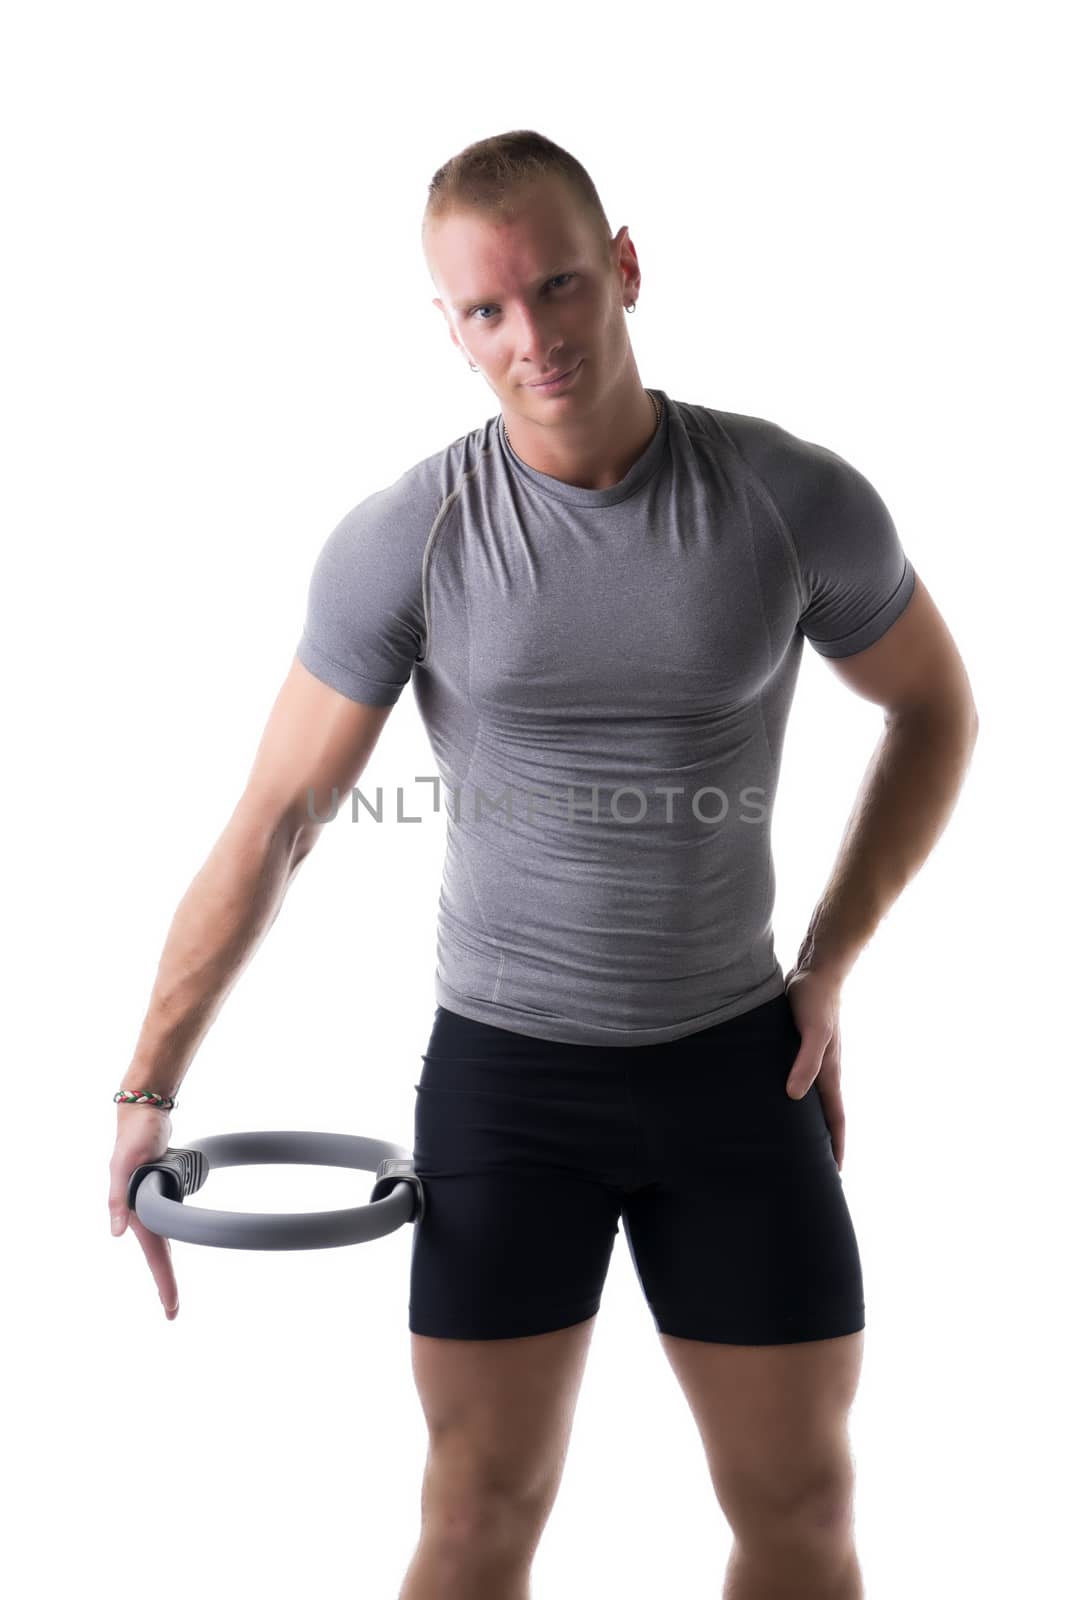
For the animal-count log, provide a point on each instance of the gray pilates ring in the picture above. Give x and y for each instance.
(157, 1191)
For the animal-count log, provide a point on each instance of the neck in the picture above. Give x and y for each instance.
(601, 460)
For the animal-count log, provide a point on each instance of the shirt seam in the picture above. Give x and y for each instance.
(803, 594)
(447, 504)
(467, 476)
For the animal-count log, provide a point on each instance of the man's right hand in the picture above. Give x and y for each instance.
(143, 1135)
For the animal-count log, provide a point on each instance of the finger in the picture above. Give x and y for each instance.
(834, 1111)
(833, 1100)
(804, 1071)
(156, 1247)
(116, 1200)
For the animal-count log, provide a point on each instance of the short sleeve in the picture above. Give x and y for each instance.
(856, 579)
(363, 626)
(853, 576)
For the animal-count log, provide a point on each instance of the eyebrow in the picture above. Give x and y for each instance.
(488, 299)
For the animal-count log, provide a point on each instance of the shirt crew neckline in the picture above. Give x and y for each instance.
(643, 468)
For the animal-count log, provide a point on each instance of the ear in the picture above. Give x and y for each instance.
(448, 324)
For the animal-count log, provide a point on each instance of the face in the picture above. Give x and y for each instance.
(530, 294)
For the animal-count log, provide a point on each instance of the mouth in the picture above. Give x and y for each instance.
(550, 385)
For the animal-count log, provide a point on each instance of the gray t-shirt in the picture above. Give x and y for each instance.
(605, 677)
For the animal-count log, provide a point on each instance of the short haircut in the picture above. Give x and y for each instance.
(488, 176)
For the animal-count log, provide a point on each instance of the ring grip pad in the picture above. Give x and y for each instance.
(394, 1170)
(184, 1172)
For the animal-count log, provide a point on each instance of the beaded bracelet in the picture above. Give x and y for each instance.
(145, 1097)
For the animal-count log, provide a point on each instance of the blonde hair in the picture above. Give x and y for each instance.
(488, 175)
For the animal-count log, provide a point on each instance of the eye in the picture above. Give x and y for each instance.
(473, 312)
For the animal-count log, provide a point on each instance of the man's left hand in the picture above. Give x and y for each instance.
(815, 998)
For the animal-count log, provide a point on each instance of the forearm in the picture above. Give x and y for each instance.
(907, 795)
(220, 922)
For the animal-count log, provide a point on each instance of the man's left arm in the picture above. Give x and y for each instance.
(905, 800)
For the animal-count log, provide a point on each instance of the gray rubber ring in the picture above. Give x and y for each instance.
(396, 1197)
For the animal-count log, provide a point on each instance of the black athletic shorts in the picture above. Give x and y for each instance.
(530, 1150)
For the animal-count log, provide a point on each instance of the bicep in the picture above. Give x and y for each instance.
(914, 666)
(316, 740)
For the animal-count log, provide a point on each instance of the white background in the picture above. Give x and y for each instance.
(218, 337)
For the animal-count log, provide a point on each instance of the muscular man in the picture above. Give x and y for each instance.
(601, 597)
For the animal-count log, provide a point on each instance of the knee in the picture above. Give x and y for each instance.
(811, 1510)
(823, 1514)
(464, 1515)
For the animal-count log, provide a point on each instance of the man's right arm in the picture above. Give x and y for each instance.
(316, 739)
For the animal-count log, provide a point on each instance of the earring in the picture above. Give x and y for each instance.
(472, 366)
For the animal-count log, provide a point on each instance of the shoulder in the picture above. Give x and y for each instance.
(811, 486)
(397, 522)
(789, 466)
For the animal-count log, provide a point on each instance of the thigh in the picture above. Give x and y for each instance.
(744, 1235)
(773, 1422)
(518, 1224)
(499, 1413)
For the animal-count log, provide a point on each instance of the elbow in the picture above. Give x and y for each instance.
(302, 844)
(953, 715)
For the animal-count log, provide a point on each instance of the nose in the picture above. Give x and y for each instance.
(537, 349)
